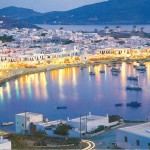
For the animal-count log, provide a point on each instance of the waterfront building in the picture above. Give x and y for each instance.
(5, 144)
(89, 123)
(134, 137)
(23, 121)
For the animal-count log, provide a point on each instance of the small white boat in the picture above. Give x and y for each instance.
(92, 73)
(132, 78)
(115, 73)
(141, 68)
(133, 87)
(7, 123)
(114, 69)
(102, 71)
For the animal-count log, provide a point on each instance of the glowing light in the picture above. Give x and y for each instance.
(8, 90)
(22, 86)
(1, 94)
(17, 89)
(36, 85)
(60, 81)
(29, 85)
(74, 76)
(43, 84)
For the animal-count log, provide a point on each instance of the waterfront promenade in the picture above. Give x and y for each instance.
(7, 74)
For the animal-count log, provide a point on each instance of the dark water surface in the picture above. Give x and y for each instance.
(76, 89)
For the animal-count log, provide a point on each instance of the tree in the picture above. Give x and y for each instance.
(62, 129)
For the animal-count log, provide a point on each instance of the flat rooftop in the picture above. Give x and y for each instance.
(89, 118)
(141, 129)
(49, 123)
(3, 141)
(28, 114)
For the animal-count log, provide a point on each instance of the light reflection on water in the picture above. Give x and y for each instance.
(76, 89)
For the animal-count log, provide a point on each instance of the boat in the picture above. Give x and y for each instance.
(108, 65)
(142, 64)
(128, 61)
(133, 87)
(7, 123)
(115, 73)
(134, 104)
(118, 104)
(81, 68)
(102, 71)
(132, 78)
(113, 69)
(141, 68)
(61, 107)
(92, 73)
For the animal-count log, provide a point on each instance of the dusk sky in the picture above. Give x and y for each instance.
(47, 5)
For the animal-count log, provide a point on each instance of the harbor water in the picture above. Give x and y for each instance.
(78, 91)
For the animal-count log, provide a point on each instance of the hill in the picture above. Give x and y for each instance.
(18, 13)
(9, 23)
(107, 12)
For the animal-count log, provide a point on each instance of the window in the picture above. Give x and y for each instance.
(126, 139)
(138, 142)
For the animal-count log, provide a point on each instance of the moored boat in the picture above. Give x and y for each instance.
(141, 68)
(7, 123)
(134, 104)
(119, 104)
(102, 71)
(115, 73)
(61, 107)
(114, 69)
(92, 73)
(133, 87)
(132, 78)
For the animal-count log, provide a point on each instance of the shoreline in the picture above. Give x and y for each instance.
(15, 73)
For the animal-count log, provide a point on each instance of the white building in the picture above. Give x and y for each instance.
(23, 121)
(134, 137)
(5, 144)
(90, 122)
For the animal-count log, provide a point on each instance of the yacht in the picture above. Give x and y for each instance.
(141, 68)
(102, 71)
(119, 104)
(133, 87)
(134, 104)
(132, 78)
(61, 107)
(142, 64)
(115, 73)
(113, 69)
(7, 123)
(92, 73)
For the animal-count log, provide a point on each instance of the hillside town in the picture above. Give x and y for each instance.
(25, 51)
(59, 46)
